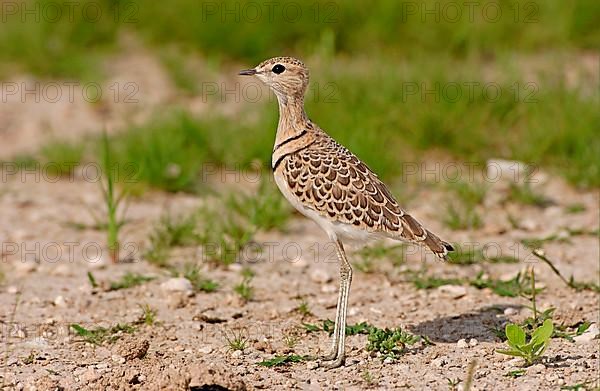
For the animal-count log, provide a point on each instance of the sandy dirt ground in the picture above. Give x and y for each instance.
(46, 289)
(50, 245)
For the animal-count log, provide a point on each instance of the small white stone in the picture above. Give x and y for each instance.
(118, 359)
(205, 350)
(529, 225)
(473, 342)
(237, 354)
(59, 301)
(439, 362)
(511, 171)
(388, 360)
(462, 344)
(453, 291)
(510, 311)
(177, 285)
(12, 290)
(310, 365)
(588, 335)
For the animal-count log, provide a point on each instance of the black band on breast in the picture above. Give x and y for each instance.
(296, 137)
(276, 164)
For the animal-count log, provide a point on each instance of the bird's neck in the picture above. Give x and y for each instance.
(292, 118)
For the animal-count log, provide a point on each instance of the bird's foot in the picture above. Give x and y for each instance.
(330, 362)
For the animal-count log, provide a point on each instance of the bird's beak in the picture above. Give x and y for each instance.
(248, 72)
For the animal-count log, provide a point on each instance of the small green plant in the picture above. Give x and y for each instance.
(516, 373)
(422, 281)
(111, 200)
(327, 326)
(171, 232)
(291, 338)
(283, 360)
(525, 194)
(129, 280)
(575, 208)
(461, 213)
(244, 289)
(368, 378)
(236, 341)
(453, 383)
(148, 316)
(390, 343)
(530, 350)
(267, 210)
(516, 286)
(92, 280)
(200, 284)
(577, 285)
(60, 157)
(378, 252)
(100, 335)
(303, 308)
(459, 217)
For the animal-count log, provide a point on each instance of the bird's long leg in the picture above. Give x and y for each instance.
(339, 335)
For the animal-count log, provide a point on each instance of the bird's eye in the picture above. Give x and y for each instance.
(278, 69)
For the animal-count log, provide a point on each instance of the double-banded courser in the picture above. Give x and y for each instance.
(331, 186)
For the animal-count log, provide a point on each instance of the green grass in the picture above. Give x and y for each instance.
(519, 285)
(171, 232)
(470, 255)
(236, 340)
(266, 210)
(61, 157)
(360, 75)
(112, 200)
(282, 360)
(390, 342)
(523, 193)
(244, 289)
(200, 284)
(462, 210)
(99, 335)
(129, 280)
(148, 316)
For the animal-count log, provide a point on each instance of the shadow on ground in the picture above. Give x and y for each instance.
(479, 325)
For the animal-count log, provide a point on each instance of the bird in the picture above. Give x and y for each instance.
(327, 183)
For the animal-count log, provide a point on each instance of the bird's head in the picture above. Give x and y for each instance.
(286, 76)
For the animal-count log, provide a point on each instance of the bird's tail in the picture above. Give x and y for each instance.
(413, 231)
(437, 245)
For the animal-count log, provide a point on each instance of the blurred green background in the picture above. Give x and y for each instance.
(368, 54)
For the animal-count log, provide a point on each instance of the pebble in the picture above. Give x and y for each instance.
(511, 171)
(310, 365)
(588, 335)
(462, 344)
(177, 285)
(12, 290)
(237, 354)
(59, 301)
(510, 311)
(118, 359)
(321, 276)
(439, 362)
(473, 342)
(453, 291)
(205, 350)
(529, 225)
(388, 360)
